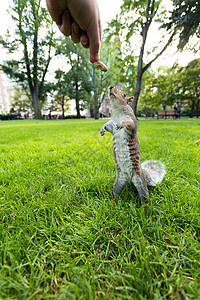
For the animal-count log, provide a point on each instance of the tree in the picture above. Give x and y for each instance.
(138, 17)
(111, 53)
(37, 46)
(78, 80)
(190, 82)
(162, 88)
(86, 83)
(20, 101)
(186, 17)
(61, 88)
(176, 84)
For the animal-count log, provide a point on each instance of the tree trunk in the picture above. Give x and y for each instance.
(96, 109)
(197, 108)
(78, 114)
(91, 112)
(138, 87)
(63, 108)
(192, 109)
(36, 99)
(36, 103)
(150, 12)
(145, 28)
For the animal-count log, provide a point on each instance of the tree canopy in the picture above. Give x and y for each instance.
(35, 41)
(185, 16)
(137, 16)
(173, 85)
(129, 67)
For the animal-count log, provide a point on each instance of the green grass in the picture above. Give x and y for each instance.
(63, 237)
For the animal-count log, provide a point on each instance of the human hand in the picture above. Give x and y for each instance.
(79, 19)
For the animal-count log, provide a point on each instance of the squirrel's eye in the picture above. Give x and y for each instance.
(124, 94)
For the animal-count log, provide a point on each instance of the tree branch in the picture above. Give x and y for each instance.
(161, 52)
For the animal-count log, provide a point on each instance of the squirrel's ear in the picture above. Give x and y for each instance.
(129, 100)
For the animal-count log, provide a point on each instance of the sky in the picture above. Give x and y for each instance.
(108, 10)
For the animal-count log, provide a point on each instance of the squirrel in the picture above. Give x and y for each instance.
(123, 127)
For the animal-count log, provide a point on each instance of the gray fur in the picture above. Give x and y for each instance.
(123, 127)
(155, 171)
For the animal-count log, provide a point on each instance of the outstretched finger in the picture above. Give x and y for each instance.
(94, 35)
(94, 48)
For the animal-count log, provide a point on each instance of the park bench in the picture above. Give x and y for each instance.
(166, 113)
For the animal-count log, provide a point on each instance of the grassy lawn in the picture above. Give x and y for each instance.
(63, 237)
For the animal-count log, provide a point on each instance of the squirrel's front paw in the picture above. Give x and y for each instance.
(102, 131)
(119, 126)
(129, 125)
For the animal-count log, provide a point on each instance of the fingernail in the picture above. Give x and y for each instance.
(96, 57)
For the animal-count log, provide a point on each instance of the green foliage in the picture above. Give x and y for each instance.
(137, 13)
(34, 46)
(120, 61)
(10, 116)
(62, 235)
(144, 110)
(119, 68)
(20, 101)
(186, 17)
(60, 97)
(77, 82)
(190, 78)
(161, 88)
(172, 85)
(84, 82)
(135, 20)
(132, 17)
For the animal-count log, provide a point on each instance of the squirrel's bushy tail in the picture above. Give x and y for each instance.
(154, 170)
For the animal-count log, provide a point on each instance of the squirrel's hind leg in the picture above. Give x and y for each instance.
(119, 184)
(142, 188)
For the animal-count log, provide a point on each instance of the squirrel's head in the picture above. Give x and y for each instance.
(118, 97)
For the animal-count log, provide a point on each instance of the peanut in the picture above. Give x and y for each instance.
(101, 66)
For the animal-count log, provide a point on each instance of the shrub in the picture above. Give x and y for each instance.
(10, 117)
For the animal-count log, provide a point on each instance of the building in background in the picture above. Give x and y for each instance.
(6, 92)
(106, 107)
